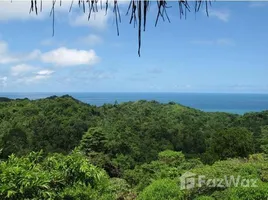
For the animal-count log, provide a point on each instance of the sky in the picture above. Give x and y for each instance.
(224, 53)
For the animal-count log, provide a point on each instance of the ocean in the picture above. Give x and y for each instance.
(209, 102)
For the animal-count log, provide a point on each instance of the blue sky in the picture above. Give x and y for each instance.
(226, 52)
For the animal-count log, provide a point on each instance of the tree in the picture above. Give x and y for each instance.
(264, 139)
(93, 141)
(162, 189)
(54, 177)
(232, 142)
(15, 141)
(171, 158)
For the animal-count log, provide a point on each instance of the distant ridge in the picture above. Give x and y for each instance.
(5, 99)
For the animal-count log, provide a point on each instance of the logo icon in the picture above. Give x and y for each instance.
(187, 180)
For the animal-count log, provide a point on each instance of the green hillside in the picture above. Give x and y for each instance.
(133, 150)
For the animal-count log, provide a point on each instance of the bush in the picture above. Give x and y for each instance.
(163, 189)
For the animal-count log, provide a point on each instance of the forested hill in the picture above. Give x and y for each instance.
(135, 131)
(120, 138)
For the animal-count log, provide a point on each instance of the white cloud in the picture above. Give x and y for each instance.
(6, 57)
(3, 47)
(16, 10)
(97, 20)
(3, 81)
(91, 40)
(45, 72)
(32, 55)
(39, 76)
(60, 57)
(223, 15)
(70, 57)
(19, 10)
(31, 79)
(26, 74)
(21, 69)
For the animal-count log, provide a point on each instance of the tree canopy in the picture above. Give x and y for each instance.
(61, 148)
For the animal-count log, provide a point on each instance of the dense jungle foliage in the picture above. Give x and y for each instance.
(61, 148)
